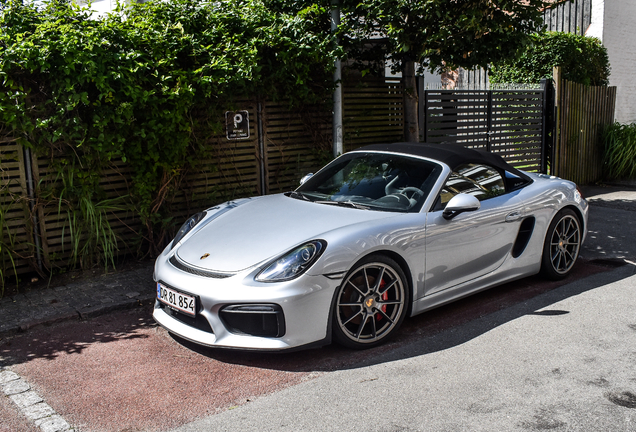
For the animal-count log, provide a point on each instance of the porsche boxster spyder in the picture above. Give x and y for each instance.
(377, 235)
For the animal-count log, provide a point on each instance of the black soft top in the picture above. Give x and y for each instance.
(452, 155)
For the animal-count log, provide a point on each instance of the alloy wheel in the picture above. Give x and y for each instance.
(370, 303)
(565, 242)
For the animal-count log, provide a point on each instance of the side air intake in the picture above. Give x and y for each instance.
(525, 232)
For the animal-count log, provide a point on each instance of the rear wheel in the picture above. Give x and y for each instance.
(371, 303)
(562, 245)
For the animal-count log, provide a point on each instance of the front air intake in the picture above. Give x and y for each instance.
(265, 320)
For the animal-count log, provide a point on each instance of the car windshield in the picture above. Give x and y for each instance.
(374, 181)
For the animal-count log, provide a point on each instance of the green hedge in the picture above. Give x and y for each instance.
(583, 59)
(144, 85)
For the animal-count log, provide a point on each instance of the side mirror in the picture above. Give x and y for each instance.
(460, 203)
(305, 178)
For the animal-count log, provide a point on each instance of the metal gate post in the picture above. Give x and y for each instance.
(489, 133)
(544, 121)
(421, 108)
(425, 116)
(262, 166)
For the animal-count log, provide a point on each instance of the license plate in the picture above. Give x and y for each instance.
(181, 302)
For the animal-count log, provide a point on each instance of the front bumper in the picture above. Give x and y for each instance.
(302, 305)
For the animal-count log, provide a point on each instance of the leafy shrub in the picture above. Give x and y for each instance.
(146, 85)
(583, 59)
(619, 142)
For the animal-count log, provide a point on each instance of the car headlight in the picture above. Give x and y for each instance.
(186, 227)
(293, 263)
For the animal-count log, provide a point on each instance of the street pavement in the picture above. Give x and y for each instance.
(561, 360)
(612, 222)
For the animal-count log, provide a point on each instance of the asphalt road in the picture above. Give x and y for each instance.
(529, 355)
(562, 361)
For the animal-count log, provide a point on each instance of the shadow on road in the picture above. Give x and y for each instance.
(434, 330)
(73, 337)
(419, 335)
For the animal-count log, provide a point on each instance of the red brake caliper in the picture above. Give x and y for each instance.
(385, 296)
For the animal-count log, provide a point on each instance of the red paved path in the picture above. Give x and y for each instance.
(120, 372)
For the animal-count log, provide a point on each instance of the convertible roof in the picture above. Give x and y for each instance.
(452, 155)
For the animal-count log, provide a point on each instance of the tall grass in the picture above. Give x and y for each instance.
(90, 234)
(619, 142)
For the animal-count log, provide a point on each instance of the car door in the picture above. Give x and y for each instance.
(474, 243)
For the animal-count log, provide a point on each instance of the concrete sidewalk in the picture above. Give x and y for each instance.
(612, 223)
(76, 301)
(611, 234)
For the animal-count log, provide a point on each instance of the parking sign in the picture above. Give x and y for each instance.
(237, 125)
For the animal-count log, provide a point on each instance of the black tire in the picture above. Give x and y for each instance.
(371, 303)
(562, 245)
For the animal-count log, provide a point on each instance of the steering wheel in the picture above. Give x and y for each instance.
(416, 194)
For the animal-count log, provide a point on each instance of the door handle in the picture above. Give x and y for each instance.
(513, 217)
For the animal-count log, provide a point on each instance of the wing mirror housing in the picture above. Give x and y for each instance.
(460, 203)
(305, 178)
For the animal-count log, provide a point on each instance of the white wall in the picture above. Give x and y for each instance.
(100, 7)
(614, 23)
(620, 34)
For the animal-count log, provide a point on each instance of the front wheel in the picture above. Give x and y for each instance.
(562, 245)
(371, 303)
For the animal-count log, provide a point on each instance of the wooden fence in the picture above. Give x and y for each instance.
(572, 16)
(581, 114)
(372, 113)
(286, 144)
(506, 121)
(16, 239)
(283, 146)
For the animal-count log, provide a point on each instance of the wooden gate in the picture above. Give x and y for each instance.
(581, 112)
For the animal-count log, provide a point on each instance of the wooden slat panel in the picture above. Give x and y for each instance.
(463, 117)
(583, 112)
(16, 242)
(372, 112)
(294, 142)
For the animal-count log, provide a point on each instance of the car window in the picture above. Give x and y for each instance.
(376, 181)
(479, 180)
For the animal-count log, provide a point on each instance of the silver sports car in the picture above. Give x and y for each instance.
(379, 234)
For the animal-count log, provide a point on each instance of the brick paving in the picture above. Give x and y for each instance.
(76, 301)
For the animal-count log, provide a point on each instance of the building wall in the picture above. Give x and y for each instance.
(613, 24)
(101, 7)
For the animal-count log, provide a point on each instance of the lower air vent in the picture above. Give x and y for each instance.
(199, 322)
(264, 320)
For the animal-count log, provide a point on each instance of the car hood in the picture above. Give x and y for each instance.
(260, 229)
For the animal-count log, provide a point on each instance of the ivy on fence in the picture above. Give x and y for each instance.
(145, 85)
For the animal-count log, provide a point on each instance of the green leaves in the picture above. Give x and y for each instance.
(125, 86)
(440, 34)
(619, 141)
(584, 60)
